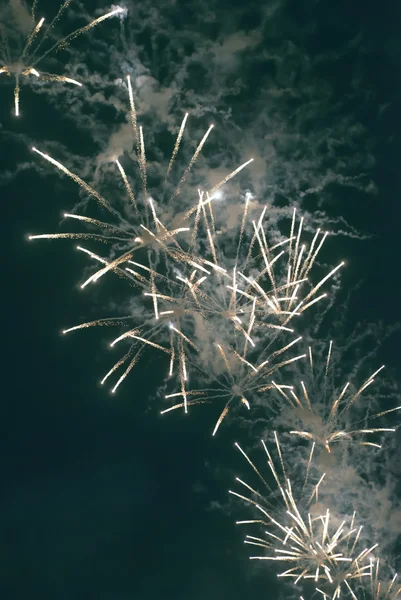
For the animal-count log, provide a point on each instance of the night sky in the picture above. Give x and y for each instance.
(101, 497)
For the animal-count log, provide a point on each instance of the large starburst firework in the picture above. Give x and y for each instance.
(221, 313)
(24, 45)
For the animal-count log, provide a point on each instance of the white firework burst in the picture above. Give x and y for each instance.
(23, 46)
(303, 536)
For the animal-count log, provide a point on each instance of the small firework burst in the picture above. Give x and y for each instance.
(296, 533)
(145, 230)
(325, 414)
(231, 379)
(25, 45)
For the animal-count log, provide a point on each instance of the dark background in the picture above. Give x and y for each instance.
(100, 496)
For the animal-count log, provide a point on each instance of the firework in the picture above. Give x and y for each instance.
(22, 51)
(267, 278)
(145, 230)
(295, 534)
(239, 325)
(184, 321)
(186, 316)
(149, 255)
(300, 295)
(328, 421)
(235, 380)
(213, 311)
(150, 323)
(209, 308)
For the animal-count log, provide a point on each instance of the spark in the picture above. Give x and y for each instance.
(371, 587)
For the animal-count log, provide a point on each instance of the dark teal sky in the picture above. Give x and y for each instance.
(101, 497)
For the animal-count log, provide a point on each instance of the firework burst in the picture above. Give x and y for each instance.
(267, 278)
(290, 277)
(149, 255)
(144, 230)
(325, 412)
(242, 306)
(295, 533)
(212, 310)
(231, 379)
(23, 48)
